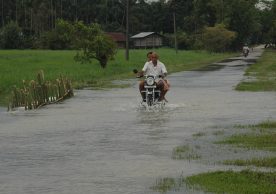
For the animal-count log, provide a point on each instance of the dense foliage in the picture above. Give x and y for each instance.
(217, 38)
(253, 21)
(93, 43)
(11, 36)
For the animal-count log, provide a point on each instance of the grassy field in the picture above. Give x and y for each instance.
(184, 152)
(18, 65)
(234, 182)
(263, 137)
(259, 136)
(263, 74)
(260, 162)
(243, 182)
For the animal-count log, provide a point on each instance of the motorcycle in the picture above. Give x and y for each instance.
(245, 53)
(151, 94)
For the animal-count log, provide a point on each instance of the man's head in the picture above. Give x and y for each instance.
(154, 57)
(149, 55)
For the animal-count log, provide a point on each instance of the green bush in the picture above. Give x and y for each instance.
(272, 34)
(218, 38)
(93, 43)
(58, 38)
(184, 40)
(11, 36)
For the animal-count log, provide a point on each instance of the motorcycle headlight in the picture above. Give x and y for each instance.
(150, 81)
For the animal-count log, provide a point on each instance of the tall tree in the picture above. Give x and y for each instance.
(2, 10)
(242, 18)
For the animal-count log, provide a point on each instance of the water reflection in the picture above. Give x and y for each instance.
(154, 118)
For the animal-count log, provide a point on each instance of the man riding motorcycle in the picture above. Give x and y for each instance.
(157, 69)
(245, 50)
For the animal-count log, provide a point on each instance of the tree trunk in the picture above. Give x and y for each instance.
(31, 22)
(25, 16)
(52, 15)
(61, 9)
(3, 23)
(55, 19)
(76, 11)
(16, 16)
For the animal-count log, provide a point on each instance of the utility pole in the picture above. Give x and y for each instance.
(31, 22)
(3, 23)
(222, 10)
(106, 12)
(16, 12)
(61, 9)
(175, 36)
(76, 10)
(127, 30)
(174, 28)
(52, 15)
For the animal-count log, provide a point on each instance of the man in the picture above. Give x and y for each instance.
(245, 50)
(158, 69)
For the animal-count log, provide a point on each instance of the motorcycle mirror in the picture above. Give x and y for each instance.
(135, 71)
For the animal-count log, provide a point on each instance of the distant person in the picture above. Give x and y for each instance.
(245, 50)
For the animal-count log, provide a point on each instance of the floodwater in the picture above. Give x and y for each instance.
(102, 142)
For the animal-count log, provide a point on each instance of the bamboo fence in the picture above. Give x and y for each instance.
(39, 93)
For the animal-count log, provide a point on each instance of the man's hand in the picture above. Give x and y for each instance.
(163, 76)
(140, 74)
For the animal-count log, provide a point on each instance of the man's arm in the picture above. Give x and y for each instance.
(164, 71)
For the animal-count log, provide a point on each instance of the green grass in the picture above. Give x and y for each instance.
(265, 73)
(18, 65)
(184, 152)
(230, 182)
(164, 185)
(260, 162)
(199, 134)
(266, 125)
(263, 125)
(252, 141)
(264, 137)
(219, 132)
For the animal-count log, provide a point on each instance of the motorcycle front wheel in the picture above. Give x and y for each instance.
(150, 100)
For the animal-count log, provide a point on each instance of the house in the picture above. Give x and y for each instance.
(119, 38)
(147, 40)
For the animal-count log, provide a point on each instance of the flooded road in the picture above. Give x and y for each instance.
(101, 142)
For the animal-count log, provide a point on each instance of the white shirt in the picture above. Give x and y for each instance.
(157, 70)
(245, 48)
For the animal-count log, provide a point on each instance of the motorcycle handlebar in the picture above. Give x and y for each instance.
(135, 71)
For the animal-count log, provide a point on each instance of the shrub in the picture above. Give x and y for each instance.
(11, 36)
(58, 38)
(93, 43)
(218, 38)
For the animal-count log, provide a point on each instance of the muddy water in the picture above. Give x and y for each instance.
(102, 142)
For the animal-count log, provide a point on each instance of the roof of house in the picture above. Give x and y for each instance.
(117, 36)
(143, 34)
